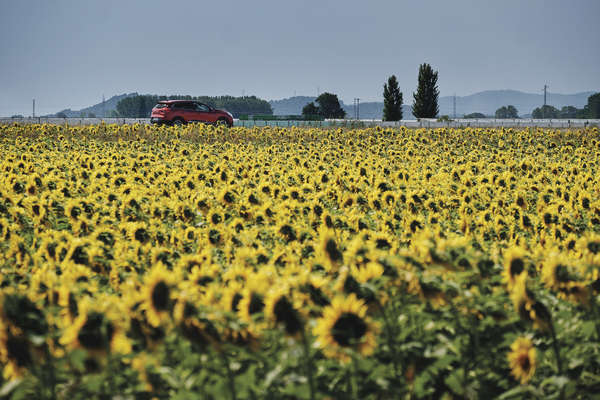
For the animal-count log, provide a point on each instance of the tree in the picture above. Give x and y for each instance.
(475, 115)
(593, 106)
(583, 113)
(310, 110)
(568, 112)
(546, 111)
(329, 106)
(426, 97)
(392, 100)
(61, 115)
(507, 112)
(140, 106)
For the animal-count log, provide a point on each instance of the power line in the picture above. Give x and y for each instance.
(544, 108)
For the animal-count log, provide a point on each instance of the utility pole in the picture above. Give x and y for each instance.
(544, 108)
(357, 108)
(33, 112)
(454, 105)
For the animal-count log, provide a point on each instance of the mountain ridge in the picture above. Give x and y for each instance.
(486, 102)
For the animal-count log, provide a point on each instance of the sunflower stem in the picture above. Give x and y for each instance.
(230, 376)
(308, 365)
(51, 374)
(390, 338)
(353, 371)
(594, 306)
(555, 347)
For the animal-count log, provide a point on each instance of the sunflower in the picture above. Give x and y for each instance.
(137, 231)
(192, 322)
(526, 305)
(99, 328)
(282, 309)
(514, 265)
(557, 271)
(329, 249)
(251, 305)
(522, 359)
(20, 320)
(157, 294)
(314, 290)
(73, 209)
(344, 327)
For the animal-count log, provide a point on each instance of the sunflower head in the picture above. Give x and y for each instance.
(281, 309)
(330, 250)
(158, 287)
(514, 265)
(522, 359)
(344, 327)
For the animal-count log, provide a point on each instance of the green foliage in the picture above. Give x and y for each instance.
(426, 97)
(392, 100)
(590, 110)
(140, 106)
(328, 107)
(568, 112)
(475, 115)
(593, 106)
(507, 112)
(546, 111)
(310, 110)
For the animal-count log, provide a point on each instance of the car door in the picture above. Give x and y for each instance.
(202, 113)
(182, 110)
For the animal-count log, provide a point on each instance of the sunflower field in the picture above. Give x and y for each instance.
(202, 262)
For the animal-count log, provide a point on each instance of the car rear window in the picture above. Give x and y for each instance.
(161, 105)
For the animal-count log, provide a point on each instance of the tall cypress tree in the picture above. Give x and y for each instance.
(392, 100)
(426, 97)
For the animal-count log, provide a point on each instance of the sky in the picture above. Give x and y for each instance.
(67, 54)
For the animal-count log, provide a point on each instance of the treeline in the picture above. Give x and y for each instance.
(590, 110)
(141, 106)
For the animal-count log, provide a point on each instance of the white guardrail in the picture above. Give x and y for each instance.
(423, 123)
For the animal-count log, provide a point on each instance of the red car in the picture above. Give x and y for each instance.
(179, 112)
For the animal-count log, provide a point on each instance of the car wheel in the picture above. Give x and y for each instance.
(178, 122)
(222, 122)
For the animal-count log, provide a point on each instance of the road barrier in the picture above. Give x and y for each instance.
(352, 123)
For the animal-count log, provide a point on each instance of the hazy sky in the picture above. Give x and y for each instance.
(66, 54)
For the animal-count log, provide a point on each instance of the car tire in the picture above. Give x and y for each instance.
(178, 121)
(223, 122)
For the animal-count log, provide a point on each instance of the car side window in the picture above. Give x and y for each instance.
(202, 107)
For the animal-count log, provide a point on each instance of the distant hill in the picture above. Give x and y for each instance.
(374, 110)
(96, 109)
(368, 110)
(486, 102)
(291, 105)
